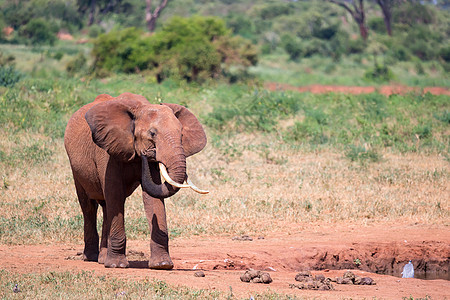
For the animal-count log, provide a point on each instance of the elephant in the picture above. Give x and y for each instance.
(115, 144)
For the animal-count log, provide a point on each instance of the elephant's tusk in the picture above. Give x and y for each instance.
(169, 180)
(193, 187)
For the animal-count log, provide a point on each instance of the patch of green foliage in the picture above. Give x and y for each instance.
(38, 32)
(8, 73)
(192, 49)
(360, 125)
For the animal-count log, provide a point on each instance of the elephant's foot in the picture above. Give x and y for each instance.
(119, 261)
(102, 256)
(160, 263)
(90, 255)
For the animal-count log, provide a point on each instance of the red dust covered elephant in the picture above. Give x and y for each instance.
(116, 144)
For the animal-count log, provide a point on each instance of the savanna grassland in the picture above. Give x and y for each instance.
(274, 161)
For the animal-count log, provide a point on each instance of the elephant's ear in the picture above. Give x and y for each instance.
(112, 126)
(194, 137)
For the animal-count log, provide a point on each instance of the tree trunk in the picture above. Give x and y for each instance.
(151, 17)
(91, 13)
(386, 6)
(357, 13)
(363, 31)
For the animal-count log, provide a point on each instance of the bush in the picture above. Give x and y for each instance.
(95, 30)
(77, 64)
(444, 53)
(39, 31)
(379, 73)
(292, 46)
(9, 76)
(377, 24)
(193, 49)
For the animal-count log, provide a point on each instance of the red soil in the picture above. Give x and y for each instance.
(325, 249)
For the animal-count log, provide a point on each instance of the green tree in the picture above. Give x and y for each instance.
(39, 31)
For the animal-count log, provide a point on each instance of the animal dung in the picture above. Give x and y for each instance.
(255, 276)
(319, 282)
(242, 238)
(308, 282)
(350, 278)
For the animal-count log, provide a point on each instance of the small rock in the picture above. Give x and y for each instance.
(367, 281)
(16, 288)
(199, 274)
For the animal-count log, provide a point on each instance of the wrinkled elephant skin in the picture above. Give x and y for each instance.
(116, 144)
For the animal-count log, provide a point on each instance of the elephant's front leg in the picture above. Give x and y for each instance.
(117, 241)
(159, 244)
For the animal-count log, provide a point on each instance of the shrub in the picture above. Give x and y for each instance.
(95, 30)
(39, 31)
(362, 154)
(379, 73)
(193, 49)
(377, 24)
(292, 46)
(273, 10)
(9, 76)
(77, 64)
(444, 53)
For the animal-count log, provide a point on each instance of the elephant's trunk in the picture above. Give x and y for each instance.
(151, 180)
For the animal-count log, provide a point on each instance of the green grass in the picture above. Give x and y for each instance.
(87, 285)
(401, 123)
(348, 71)
(317, 145)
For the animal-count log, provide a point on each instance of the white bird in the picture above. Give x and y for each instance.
(408, 270)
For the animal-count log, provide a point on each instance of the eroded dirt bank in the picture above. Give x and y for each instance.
(325, 249)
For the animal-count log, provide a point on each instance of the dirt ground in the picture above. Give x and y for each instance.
(326, 249)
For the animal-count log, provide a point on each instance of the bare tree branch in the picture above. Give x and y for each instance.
(150, 18)
(357, 13)
(386, 7)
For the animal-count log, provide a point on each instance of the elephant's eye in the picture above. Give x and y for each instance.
(152, 133)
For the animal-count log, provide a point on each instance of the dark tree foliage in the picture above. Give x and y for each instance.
(193, 49)
(39, 32)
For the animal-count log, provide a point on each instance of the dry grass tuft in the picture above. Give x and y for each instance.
(262, 189)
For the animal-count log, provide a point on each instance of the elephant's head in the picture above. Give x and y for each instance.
(128, 127)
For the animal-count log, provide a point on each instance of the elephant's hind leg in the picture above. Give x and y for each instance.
(91, 239)
(117, 241)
